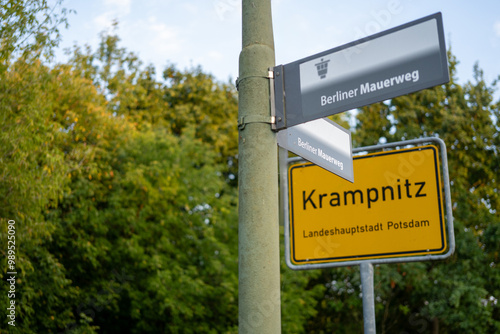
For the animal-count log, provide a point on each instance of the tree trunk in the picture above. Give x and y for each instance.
(435, 326)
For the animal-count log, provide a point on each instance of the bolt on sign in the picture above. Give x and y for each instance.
(394, 209)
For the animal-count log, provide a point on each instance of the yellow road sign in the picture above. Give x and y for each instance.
(393, 209)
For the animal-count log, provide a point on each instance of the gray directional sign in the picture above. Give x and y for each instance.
(323, 143)
(395, 62)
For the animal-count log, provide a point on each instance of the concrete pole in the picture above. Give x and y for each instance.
(259, 265)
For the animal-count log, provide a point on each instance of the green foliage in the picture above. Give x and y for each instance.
(128, 217)
(29, 28)
(185, 100)
(34, 171)
(340, 300)
(152, 216)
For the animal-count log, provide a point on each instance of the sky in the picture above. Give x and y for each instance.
(207, 33)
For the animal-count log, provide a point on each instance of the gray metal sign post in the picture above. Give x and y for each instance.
(366, 271)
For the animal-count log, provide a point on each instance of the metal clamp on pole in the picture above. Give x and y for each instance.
(270, 75)
(272, 98)
(243, 121)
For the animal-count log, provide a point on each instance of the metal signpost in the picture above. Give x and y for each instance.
(395, 62)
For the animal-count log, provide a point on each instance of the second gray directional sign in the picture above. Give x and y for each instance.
(395, 62)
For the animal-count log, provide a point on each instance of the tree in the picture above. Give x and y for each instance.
(126, 192)
(150, 214)
(29, 28)
(34, 173)
(183, 100)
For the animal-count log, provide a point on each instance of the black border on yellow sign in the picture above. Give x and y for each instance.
(376, 255)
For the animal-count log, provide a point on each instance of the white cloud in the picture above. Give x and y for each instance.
(163, 40)
(114, 10)
(190, 8)
(226, 9)
(496, 27)
(215, 55)
(118, 7)
(103, 21)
